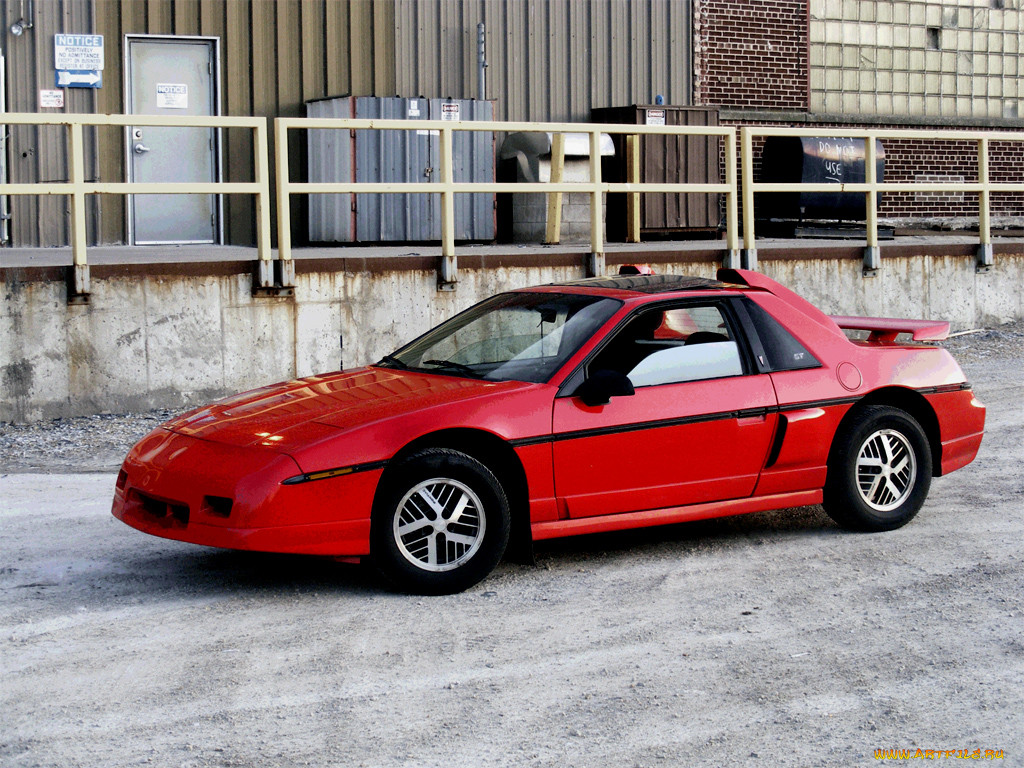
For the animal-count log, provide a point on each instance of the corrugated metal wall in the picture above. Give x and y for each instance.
(39, 153)
(549, 59)
(275, 55)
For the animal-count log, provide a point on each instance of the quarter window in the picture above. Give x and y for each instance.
(670, 345)
(784, 353)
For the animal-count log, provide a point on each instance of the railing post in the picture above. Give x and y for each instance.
(633, 198)
(264, 254)
(872, 253)
(749, 253)
(984, 256)
(284, 213)
(595, 259)
(447, 277)
(553, 232)
(78, 287)
(731, 236)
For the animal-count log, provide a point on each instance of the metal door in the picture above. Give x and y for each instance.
(173, 76)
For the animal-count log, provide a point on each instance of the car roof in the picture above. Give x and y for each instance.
(623, 286)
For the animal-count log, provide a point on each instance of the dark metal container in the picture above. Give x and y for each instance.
(665, 159)
(814, 160)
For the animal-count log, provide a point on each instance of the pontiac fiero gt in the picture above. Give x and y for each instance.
(565, 409)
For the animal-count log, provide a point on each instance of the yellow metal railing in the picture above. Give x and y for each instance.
(447, 187)
(983, 187)
(76, 188)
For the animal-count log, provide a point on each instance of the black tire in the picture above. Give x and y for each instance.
(440, 523)
(879, 470)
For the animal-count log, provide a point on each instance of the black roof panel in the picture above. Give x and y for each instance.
(647, 283)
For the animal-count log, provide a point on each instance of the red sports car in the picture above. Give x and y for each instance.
(563, 409)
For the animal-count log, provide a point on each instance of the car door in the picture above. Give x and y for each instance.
(697, 429)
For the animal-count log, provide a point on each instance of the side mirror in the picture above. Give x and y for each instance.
(601, 386)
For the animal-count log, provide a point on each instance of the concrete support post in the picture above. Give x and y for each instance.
(264, 277)
(594, 265)
(872, 260)
(984, 258)
(553, 233)
(285, 277)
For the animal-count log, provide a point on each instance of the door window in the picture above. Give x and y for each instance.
(675, 344)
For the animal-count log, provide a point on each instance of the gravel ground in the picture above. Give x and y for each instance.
(770, 639)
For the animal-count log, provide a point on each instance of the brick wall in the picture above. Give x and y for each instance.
(751, 54)
(921, 160)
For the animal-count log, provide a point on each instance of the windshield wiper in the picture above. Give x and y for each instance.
(392, 360)
(453, 366)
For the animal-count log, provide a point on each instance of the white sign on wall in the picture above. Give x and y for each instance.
(78, 52)
(51, 99)
(655, 117)
(171, 96)
(450, 111)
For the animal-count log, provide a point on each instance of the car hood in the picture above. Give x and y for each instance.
(300, 411)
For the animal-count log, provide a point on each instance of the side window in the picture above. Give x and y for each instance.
(784, 353)
(670, 345)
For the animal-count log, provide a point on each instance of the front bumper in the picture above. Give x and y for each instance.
(187, 489)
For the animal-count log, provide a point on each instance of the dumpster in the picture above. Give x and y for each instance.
(792, 159)
(665, 159)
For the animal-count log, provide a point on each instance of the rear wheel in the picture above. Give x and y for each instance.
(441, 524)
(879, 471)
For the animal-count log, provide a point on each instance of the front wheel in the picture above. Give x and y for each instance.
(879, 471)
(440, 524)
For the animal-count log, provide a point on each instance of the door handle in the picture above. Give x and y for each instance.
(141, 149)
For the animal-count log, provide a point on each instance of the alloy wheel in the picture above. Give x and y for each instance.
(886, 470)
(439, 524)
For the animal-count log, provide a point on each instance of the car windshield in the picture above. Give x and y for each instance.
(508, 337)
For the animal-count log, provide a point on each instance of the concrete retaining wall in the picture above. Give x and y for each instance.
(164, 336)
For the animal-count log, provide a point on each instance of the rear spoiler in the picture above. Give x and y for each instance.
(888, 328)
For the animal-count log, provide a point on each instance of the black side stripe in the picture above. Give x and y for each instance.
(708, 417)
(641, 426)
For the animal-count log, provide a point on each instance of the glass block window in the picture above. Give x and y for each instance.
(917, 57)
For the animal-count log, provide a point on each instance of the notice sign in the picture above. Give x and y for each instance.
(414, 108)
(450, 111)
(78, 52)
(655, 117)
(171, 96)
(51, 99)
